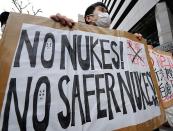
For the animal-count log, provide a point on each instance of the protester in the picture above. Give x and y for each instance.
(96, 14)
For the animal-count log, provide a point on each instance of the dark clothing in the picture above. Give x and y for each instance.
(3, 17)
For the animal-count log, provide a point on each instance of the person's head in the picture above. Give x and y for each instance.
(3, 19)
(97, 14)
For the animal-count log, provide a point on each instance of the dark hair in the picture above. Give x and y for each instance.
(3, 17)
(91, 9)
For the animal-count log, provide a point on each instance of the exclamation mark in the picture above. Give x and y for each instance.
(121, 55)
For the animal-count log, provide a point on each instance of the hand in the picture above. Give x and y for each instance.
(63, 20)
(138, 36)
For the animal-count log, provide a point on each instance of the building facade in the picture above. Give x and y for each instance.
(152, 18)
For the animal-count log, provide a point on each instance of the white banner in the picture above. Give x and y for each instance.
(163, 66)
(78, 81)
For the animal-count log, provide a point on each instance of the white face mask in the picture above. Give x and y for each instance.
(3, 27)
(103, 20)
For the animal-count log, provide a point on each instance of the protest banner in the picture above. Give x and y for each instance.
(163, 66)
(85, 78)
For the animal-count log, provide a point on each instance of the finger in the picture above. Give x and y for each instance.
(72, 22)
(66, 21)
(69, 22)
(55, 18)
(62, 19)
(138, 36)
